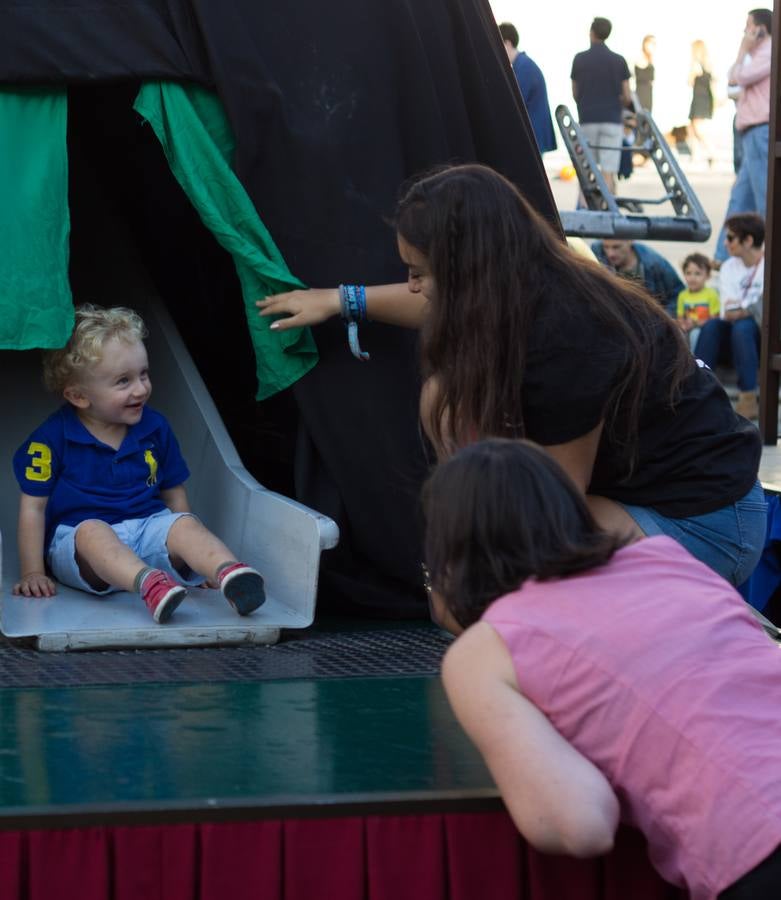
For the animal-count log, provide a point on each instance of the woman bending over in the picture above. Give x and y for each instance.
(602, 682)
(522, 337)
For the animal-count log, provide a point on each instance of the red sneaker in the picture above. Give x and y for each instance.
(242, 586)
(161, 594)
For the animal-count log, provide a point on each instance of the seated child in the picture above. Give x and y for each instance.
(103, 505)
(697, 303)
(605, 681)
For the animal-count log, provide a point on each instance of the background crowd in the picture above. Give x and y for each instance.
(725, 306)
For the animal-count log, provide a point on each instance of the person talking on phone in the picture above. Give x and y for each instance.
(751, 74)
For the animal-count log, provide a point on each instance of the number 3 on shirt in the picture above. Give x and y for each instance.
(40, 468)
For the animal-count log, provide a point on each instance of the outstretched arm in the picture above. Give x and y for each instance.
(34, 582)
(393, 304)
(558, 799)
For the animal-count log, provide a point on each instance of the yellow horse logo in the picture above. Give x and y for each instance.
(150, 460)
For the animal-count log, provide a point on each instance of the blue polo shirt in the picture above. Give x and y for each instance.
(87, 479)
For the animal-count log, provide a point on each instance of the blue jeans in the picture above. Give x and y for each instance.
(737, 146)
(729, 540)
(749, 193)
(735, 343)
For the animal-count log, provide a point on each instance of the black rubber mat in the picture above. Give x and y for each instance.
(385, 652)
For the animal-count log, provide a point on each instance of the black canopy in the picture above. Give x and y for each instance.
(333, 106)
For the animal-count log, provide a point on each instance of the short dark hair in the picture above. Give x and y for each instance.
(698, 259)
(509, 33)
(747, 224)
(501, 511)
(762, 17)
(602, 28)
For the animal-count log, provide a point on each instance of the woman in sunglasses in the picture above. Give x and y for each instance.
(733, 338)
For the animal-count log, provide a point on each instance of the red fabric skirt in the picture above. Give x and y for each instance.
(469, 856)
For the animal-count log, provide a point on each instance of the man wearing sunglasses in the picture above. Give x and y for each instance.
(734, 336)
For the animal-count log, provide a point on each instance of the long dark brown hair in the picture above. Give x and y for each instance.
(499, 512)
(497, 264)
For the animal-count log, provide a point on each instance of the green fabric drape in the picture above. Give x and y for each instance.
(191, 125)
(36, 308)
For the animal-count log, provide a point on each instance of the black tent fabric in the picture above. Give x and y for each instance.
(333, 107)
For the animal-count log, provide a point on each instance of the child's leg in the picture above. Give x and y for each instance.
(103, 559)
(191, 543)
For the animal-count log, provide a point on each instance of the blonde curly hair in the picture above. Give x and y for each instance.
(94, 327)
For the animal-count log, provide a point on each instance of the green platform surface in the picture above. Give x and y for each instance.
(222, 751)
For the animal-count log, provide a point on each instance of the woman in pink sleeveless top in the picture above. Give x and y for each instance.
(605, 683)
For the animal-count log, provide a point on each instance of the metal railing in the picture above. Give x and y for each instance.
(608, 216)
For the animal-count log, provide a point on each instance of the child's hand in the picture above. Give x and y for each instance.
(35, 584)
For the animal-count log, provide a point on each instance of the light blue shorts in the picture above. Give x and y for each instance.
(729, 540)
(147, 538)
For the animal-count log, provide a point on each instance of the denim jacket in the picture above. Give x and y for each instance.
(658, 276)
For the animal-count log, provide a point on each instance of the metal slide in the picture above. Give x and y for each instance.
(280, 537)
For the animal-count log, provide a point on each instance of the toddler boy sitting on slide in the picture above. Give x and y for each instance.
(103, 505)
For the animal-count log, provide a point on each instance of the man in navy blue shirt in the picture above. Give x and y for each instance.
(600, 86)
(533, 89)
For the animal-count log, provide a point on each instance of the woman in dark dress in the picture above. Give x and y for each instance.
(644, 73)
(701, 109)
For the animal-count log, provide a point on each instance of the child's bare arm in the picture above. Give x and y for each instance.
(558, 799)
(175, 498)
(34, 582)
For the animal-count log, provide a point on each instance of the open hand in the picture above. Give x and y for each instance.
(300, 307)
(35, 584)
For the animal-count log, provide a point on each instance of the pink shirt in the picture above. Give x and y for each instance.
(753, 76)
(655, 670)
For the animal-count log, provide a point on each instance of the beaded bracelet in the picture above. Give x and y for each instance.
(352, 299)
